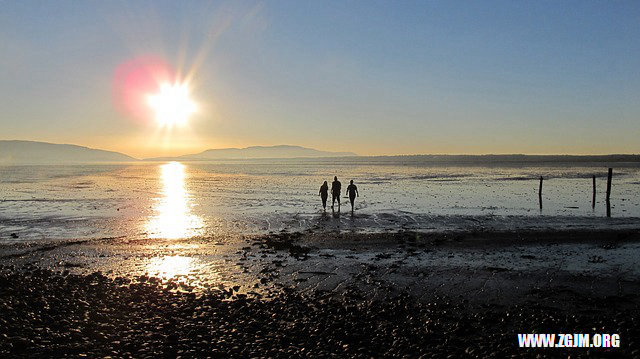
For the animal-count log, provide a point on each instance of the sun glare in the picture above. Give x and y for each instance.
(172, 105)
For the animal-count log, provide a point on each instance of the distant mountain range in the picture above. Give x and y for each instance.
(253, 152)
(32, 152)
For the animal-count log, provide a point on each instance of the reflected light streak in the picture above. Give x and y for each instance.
(171, 266)
(173, 218)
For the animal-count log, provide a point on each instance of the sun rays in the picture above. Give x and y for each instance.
(172, 105)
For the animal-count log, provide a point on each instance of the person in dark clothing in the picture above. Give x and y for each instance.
(324, 194)
(352, 191)
(336, 188)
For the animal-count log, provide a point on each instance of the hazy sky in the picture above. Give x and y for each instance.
(388, 77)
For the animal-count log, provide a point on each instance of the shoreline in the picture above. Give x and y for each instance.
(25, 231)
(338, 237)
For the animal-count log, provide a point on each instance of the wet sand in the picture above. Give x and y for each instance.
(321, 294)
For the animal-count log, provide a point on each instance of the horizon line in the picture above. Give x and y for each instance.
(344, 151)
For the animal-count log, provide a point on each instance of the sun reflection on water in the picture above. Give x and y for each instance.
(169, 267)
(173, 217)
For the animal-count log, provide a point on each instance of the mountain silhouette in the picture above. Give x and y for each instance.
(281, 151)
(33, 152)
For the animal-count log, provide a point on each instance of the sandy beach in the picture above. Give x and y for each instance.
(310, 294)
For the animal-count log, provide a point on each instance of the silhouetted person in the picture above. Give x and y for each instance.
(324, 194)
(336, 188)
(352, 191)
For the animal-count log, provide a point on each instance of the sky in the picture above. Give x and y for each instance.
(371, 77)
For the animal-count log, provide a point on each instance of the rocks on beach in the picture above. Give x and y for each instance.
(46, 313)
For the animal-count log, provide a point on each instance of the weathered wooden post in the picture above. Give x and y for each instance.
(609, 175)
(540, 193)
(593, 201)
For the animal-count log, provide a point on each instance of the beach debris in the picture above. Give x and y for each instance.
(316, 273)
(610, 245)
(285, 242)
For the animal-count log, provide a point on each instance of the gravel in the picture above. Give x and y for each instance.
(46, 313)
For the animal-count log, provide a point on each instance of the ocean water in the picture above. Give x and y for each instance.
(232, 198)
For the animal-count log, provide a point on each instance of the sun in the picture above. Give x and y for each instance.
(172, 104)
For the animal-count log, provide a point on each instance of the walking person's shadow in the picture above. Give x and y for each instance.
(336, 214)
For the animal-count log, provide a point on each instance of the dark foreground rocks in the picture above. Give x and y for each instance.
(43, 313)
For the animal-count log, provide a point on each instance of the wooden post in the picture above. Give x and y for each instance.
(609, 175)
(540, 193)
(593, 201)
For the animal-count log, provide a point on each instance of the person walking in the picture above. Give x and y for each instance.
(324, 194)
(352, 191)
(336, 188)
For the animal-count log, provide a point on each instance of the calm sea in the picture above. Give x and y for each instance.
(178, 200)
